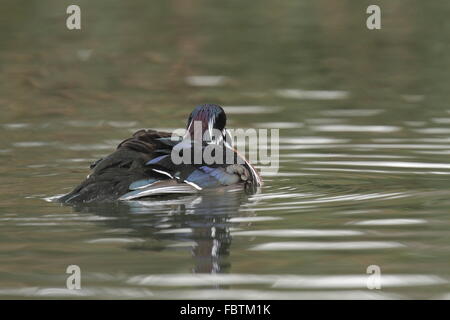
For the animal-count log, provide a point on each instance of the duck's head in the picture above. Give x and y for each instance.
(211, 117)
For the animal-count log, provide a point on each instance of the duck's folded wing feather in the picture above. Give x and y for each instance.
(158, 188)
(207, 177)
(185, 177)
(147, 141)
(172, 182)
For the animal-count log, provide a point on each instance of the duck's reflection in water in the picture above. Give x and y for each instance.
(200, 222)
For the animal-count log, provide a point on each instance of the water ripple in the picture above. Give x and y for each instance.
(312, 246)
(392, 164)
(312, 94)
(388, 222)
(285, 281)
(251, 109)
(355, 128)
(298, 233)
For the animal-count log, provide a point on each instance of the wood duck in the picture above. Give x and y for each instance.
(144, 166)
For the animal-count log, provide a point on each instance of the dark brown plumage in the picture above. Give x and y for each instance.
(112, 175)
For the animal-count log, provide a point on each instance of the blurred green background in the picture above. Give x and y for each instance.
(134, 57)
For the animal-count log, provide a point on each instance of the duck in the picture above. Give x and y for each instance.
(148, 163)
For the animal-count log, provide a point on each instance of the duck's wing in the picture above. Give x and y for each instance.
(189, 178)
(230, 161)
(111, 176)
(144, 144)
(147, 140)
(150, 187)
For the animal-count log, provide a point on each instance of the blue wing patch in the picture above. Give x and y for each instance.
(207, 177)
(142, 184)
(157, 159)
(158, 188)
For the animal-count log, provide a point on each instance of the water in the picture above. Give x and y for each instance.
(365, 139)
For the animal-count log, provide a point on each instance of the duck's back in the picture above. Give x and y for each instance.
(112, 175)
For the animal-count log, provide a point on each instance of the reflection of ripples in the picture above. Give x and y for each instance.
(206, 81)
(253, 219)
(250, 109)
(389, 222)
(298, 233)
(287, 281)
(343, 286)
(115, 240)
(229, 294)
(312, 94)
(352, 190)
(332, 246)
(350, 197)
(354, 128)
(392, 164)
(352, 112)
(358, 281)
(280, 125)
(199, 223)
